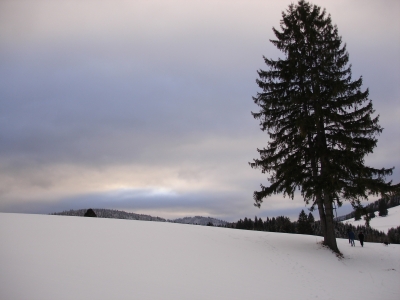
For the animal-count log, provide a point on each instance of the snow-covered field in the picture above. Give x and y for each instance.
(58, 257)
(381, 223)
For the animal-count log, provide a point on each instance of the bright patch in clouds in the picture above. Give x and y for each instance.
(129, 193)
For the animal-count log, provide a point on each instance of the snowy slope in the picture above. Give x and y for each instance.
(381, 223)
(53, 257)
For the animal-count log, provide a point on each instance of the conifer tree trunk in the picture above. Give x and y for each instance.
(329, 236)
(329, 233)
(322, 216)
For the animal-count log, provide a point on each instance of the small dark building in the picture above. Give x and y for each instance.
(90, 213)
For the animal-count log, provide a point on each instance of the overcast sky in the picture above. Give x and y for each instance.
(144, 106)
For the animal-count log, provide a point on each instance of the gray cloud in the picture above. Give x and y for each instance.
(99, 96)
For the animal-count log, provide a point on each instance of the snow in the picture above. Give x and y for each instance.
(380, 223)
(58, 257)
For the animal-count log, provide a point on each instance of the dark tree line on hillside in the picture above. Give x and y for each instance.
(278, 224)
(307, 225)
(377, 208)
(394, 235)
(199, 220)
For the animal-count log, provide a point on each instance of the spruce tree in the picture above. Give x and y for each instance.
(371, 215)
(358, 214)
(319, 121)
(383, 210)
(310, 218)
(302, 223)
(90, 213)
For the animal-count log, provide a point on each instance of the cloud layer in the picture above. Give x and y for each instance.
(108, 103)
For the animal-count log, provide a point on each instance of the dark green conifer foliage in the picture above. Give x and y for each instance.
(370, 212)
(357, 214)
(302, 223)
(90, 213)
(319, 121)
(311, 219)
(394, 235)
(311, 222)
(383, 210)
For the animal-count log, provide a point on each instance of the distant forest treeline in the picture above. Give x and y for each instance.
(198, 220)
(307, 225)
(284, 225)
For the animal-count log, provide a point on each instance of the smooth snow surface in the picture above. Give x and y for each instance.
(58, 257)
(380, 223)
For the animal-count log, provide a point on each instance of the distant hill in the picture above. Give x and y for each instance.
(111, 214)
(198, 220)
(118, 214)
